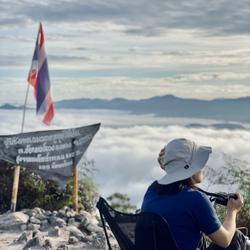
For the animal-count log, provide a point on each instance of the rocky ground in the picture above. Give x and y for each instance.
(47, 230)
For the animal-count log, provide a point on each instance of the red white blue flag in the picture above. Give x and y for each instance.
(39, 78)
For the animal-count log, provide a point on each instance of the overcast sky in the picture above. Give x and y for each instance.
(133, 49)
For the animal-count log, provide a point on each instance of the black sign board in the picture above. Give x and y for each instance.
(52, 154)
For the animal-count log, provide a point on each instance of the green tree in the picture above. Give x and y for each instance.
(88, 194)
(234, 172)
(37, 192)
(121, 202)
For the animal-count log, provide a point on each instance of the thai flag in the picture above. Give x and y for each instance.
(39, 78)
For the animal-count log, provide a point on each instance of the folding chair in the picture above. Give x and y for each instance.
(142, 231)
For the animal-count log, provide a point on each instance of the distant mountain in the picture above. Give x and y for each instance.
(230, 126)
(171, 106)
(10, 106)
(167, 106)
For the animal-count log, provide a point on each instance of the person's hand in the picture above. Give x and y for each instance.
(235, 204)
(160, 158)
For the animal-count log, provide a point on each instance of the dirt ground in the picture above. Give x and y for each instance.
(7, 240)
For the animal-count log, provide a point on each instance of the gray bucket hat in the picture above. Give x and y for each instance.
(182, 159)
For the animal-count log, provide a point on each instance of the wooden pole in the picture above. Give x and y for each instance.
(75, 189)
(15, 189)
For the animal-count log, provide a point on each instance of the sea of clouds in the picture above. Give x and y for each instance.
(126, 147)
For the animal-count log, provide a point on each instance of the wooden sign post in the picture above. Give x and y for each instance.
(15, 189)
(48, 154)
(75, 189)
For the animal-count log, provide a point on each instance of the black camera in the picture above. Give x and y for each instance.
(222, 198)
(219, 198)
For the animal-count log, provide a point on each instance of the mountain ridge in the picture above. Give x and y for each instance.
(228, 109)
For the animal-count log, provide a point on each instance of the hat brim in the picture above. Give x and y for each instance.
(181, 172)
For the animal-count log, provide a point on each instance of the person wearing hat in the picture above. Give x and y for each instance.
(189, 212)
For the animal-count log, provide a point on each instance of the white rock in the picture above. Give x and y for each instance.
(62, 246)
(54, 232)
(86, 218)
(23, 227)
(47, 245)
(41, 216)
(44, 226)
(93, 228)
(48, 213)
(22, 238)
(99, 241)
(54, 213)
(34, 220)
(74, 231)
(70, 214)
(65, 208)
(61, 213)
(59, 222)
(71, 221)
(37, 210)
(9, 221)
(35, 233)
(73, 240)
(35, 242)
(31, 226)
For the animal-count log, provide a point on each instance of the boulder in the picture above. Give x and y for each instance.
(74, 231)
(34, 220)
(62, 247)
(99, 241)
(83, 230)
(52, 219)
(38, 210)
(65, 208)
(47, 245)
(61, 213)
(73, 240)
(13, 221)
(27, 211)
(44, 225)
(54, 232)
(23, 227)
(54, 213)
(70, 213)
(71, 221)
(23, 238)
(34, 242)
(59, 222)
(86, 218)
(48, 213)
(36, 233)
(92, 228)
(41, 217)
(32, 227)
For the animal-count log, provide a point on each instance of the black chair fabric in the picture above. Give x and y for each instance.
(142, 231)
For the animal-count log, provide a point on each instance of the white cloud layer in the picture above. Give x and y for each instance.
(126, 147)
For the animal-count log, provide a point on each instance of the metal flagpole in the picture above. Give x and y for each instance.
(24, 107)
(17, 168)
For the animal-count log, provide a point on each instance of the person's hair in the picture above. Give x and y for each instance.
(174, 187)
